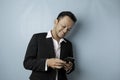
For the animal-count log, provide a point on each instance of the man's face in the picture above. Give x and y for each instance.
(63, 26)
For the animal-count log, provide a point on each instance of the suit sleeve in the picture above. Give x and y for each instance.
(31, 62)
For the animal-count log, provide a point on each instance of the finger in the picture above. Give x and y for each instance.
(60, 61)
(58, 67)
(58, 64)
(68, 65)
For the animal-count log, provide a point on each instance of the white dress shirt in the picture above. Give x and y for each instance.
(57, 48)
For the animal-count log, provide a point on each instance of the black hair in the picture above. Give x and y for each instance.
(67, 13)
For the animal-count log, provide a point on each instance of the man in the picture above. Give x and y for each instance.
(49, 55)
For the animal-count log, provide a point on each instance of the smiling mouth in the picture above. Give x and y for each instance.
(62, 33)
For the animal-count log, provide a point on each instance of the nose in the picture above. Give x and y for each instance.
(65, 30)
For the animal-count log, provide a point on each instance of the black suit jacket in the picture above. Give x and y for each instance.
(39, 49)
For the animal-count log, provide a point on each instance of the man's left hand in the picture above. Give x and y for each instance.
(68, 66)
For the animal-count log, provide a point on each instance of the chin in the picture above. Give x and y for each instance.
(62, 37)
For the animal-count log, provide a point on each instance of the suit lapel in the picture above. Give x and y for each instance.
(50, 47)
(63, 50)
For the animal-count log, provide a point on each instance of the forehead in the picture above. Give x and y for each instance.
(66, 20)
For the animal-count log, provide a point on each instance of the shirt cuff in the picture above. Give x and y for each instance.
(46, 67)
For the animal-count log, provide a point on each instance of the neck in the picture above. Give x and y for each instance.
(54, 35)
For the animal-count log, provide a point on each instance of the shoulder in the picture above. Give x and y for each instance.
(38, 35)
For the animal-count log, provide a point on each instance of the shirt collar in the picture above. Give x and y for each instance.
(49, 35)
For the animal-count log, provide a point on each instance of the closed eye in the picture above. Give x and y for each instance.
(64, 26)
(69, 29)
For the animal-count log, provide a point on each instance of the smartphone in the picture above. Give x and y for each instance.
(71, 59)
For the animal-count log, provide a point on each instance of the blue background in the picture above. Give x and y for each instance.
(95, 37)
